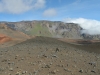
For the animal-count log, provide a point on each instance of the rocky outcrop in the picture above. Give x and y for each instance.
(4, 26)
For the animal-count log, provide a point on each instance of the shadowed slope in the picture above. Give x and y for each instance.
(87, 45)
(42, 41)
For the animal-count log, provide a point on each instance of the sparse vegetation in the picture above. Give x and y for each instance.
(39, 30)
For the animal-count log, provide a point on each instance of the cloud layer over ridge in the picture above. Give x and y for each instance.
(91, 27)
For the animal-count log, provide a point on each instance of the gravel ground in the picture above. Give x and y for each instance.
(47, 56)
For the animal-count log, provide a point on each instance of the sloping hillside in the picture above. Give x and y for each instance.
(4, 38)
(47, 56)
(8, 34)
(4, 29)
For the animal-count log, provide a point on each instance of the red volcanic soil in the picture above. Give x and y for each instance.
(4, 38)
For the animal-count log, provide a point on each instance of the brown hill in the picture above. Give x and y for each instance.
(8, 34)
(4, 29)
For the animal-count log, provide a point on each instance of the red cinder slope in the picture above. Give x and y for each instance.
(4, 38)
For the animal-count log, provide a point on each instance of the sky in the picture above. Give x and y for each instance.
(84, 12)
(57, 10)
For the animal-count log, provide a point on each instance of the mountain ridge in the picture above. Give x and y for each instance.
(56, 29)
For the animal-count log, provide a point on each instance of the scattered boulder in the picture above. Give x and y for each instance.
(81, 71)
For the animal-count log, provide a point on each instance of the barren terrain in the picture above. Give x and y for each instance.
(25, 54)
(48, 56)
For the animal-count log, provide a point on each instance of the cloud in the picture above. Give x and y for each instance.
(91, 27)
(39, 4)
(20, 6)
(50, 12)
